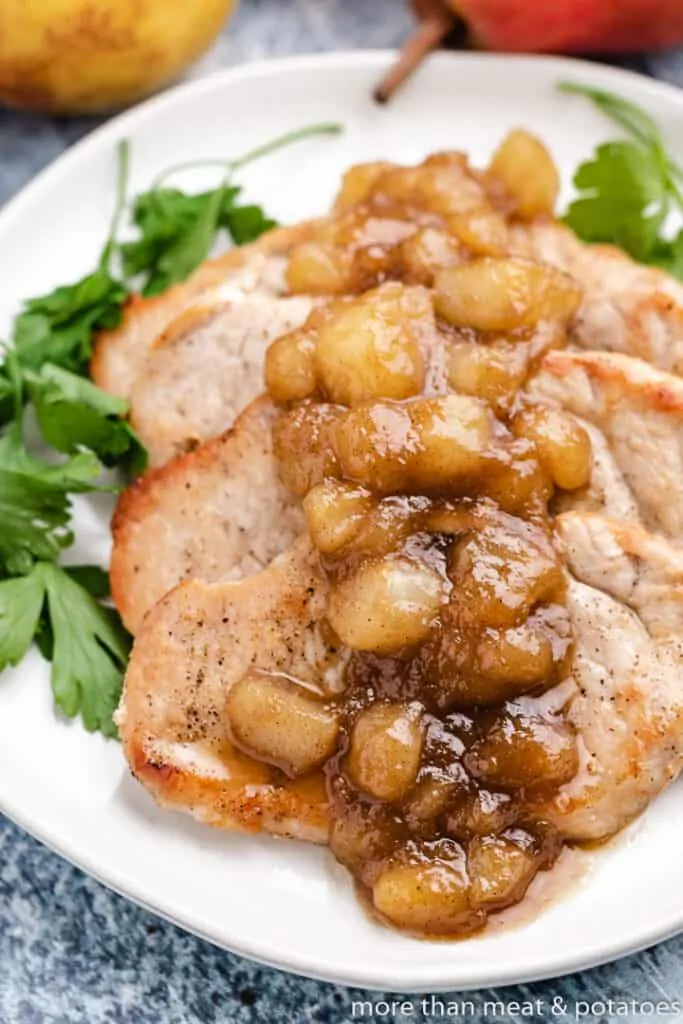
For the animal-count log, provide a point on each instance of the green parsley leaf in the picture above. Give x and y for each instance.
(7, 396)
(178, 230)
(71, 476)
(86, 643)
(629, 188)
(246, 223)
(35, 520)
(44, 637)
(58, 327)
(669, 255)
(34, 504)
(89, 651)
(52, 340)
(91, 577)
(192, 245)
(75, 474)
(162, 216)
(21, 602)
(74, 413)
(623, 198)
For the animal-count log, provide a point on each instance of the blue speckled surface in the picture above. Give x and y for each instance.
(73, 953)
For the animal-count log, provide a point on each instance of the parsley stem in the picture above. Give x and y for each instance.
(123, 155)
(328, 128)
(325, 128)
(636, 121)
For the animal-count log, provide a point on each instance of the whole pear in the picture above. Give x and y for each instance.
(75, 56)
(574, 26)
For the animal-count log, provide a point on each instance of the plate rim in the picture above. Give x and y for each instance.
(424, 978)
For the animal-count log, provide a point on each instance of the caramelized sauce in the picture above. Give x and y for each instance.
(426, 482)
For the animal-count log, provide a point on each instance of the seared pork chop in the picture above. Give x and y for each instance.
(120, 354)
(206, 368)
(627, 307)
(626, 693)
(634, 416)
(639, 410)
(220, 665)
(217, 513)
(625, 696)
(221, 512)
(607, 493)
(198, 641)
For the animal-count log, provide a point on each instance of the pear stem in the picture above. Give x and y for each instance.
(431, 31)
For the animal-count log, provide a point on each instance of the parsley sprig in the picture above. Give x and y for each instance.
(82, 638)
(177, 231)
(39, 599)
(43, 376)
(630, 187)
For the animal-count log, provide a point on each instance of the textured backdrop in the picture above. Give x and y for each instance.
(71, 952)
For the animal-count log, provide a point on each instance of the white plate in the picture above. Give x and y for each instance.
(286, 903)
